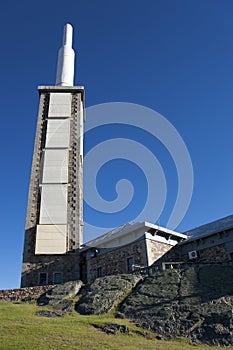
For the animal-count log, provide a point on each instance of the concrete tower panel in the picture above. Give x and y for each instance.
(59, 105)
(55, 167)
(50, 239)
(58, 133)
(53, 205)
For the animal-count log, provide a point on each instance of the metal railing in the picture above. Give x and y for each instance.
(153, 269)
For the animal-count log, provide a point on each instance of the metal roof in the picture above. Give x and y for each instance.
(210, 228)
(126, 229)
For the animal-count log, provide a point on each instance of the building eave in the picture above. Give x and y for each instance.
(127, 229)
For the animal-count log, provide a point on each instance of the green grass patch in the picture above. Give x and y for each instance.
(21, 329)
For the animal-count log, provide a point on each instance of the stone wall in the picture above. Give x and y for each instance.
(155, 250)
(212, 253)
(75, 190)
(67, 264)
(24, 294)
(33, 207)
(114, 262)
(217, 253)
(212, 247)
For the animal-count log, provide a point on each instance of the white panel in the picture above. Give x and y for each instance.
(55, 166)
(58, 133)
(59, 105)
(53, 207)
(51, 239)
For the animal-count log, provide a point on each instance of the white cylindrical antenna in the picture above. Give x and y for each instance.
(65, 64)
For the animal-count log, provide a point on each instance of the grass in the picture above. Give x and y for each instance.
(21, 329)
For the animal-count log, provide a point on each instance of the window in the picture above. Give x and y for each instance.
(99, 271)
(57, 278)
(130, 263)
(42, 278)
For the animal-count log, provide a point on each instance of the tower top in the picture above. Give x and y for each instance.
(68, 35)
(65, 64)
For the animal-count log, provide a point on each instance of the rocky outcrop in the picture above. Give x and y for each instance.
(196, 303)
(60, 309)
(48, 313)
(60, 292)
(105, 293)
(112, 329)
(59, 299)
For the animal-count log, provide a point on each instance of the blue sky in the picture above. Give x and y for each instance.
(173, 56)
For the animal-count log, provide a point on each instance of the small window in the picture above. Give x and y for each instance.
(42, 278)
(130, 263)
(57, 278)
(99, 271)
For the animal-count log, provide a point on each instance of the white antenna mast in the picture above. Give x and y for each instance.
(65, 64)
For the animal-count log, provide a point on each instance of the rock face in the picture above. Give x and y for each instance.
(60, 292)
(59, 298)
(111, 329)
(196, 303)
(105, 293)
(48, 313)
(58, 310)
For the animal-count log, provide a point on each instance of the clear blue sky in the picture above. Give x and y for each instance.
(174, 56)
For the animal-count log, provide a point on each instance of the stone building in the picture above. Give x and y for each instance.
(54, 215)
(212, 242)
(126, 249)
(209, 243)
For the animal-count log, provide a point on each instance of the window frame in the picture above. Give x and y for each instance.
(56, 273)
(130, 265)
(99, 271)
(39, 278)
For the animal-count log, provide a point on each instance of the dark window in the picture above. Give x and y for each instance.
(130, 263)
(57, 278)
(99, 271)
(42, 278)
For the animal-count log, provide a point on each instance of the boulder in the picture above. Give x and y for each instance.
(112, 329)
(60, 292)
(48, 313)
(105, 293)
(196, 303)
